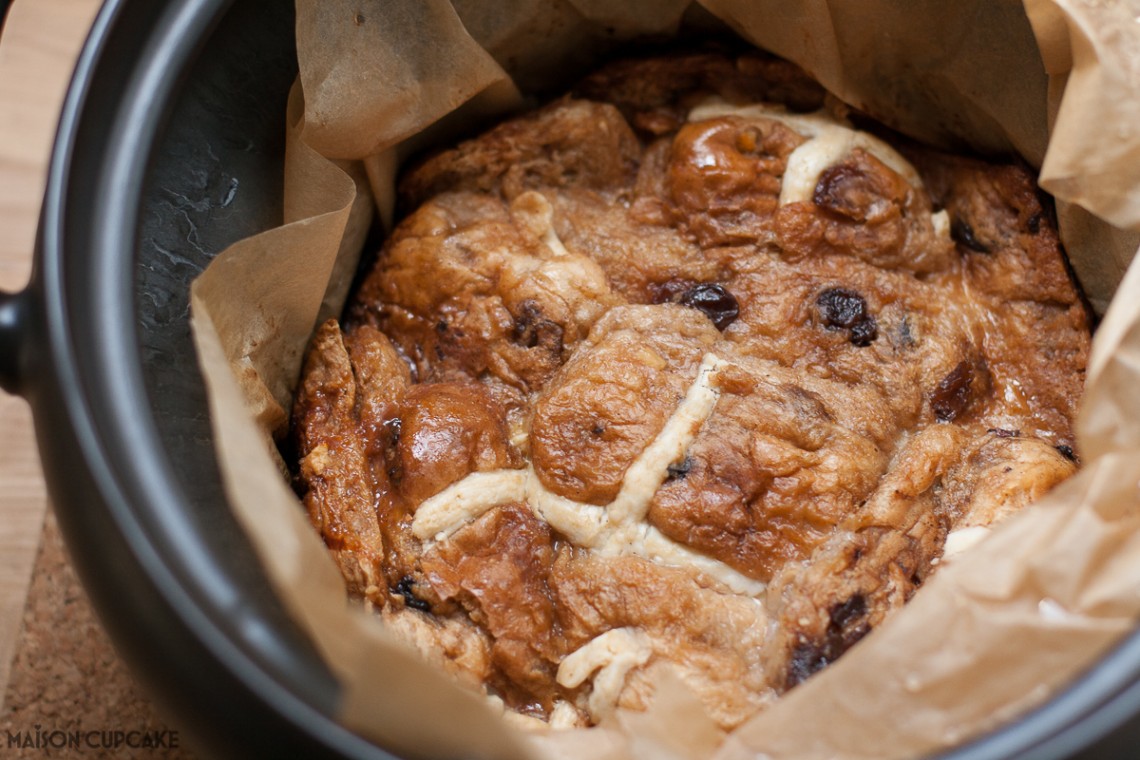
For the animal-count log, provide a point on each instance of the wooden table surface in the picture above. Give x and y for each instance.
(37, 49)
(57, 669)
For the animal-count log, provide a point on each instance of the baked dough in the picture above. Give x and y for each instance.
(684, 371)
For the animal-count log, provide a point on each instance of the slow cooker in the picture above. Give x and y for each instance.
(170, 148)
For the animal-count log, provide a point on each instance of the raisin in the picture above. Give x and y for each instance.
(952, 395)
(394, 426)
(717, 303)
(963, 233)
(669, 291)
(844, 189)
(906, 333)
(404, 589)
(1067, 452)
(846, 612)
(840, 308)
(531, 328)
(524, 330)
(844, 630)
(679, 470)
(393, 429)
(807, 660)
(864, 332)
(1034, 223)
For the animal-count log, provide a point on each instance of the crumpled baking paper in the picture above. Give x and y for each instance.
(992, 634)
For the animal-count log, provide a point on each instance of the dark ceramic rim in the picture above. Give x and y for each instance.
(74, 342)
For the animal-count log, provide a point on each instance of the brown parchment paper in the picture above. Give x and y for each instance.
(994, 632)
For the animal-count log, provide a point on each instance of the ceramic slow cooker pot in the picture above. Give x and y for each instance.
(169, 149)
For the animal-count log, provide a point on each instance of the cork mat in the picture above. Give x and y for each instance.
(69, 695)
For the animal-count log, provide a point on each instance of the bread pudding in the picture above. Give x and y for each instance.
(684, 371)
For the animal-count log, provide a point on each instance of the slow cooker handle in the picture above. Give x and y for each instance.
(14, 324)
(13, 307)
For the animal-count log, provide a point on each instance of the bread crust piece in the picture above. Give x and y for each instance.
(630, 390)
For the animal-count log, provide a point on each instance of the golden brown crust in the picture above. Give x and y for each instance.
(447, 431)
(334, 465)
(719, 428)
(861, 208)
(655, 94)
(569, 143)
(723, 179)
(613, 397)
(497, 570)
